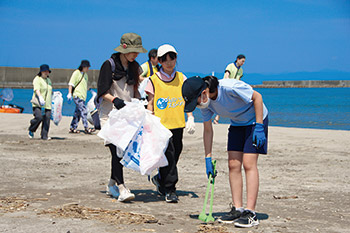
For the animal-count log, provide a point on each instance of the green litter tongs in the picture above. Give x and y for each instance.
(211, 181)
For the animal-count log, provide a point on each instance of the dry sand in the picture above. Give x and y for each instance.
(59, 185)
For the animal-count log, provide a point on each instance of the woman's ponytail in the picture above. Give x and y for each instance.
(212, 83)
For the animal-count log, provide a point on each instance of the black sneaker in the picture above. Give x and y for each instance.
(248, 219)
(231, 216)
(171, 197)
(155, 181)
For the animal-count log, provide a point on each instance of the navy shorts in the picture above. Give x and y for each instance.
(240, 138)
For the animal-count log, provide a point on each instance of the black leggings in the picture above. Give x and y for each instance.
(117, 167)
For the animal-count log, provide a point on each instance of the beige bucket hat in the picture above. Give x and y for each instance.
(129, 43)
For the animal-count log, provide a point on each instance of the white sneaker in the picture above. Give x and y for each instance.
(125, 194)
(112, 191)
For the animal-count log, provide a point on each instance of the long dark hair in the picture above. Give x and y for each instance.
(212, 83)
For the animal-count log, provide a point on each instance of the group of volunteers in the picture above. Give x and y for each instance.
(42, 94)
(171, 95)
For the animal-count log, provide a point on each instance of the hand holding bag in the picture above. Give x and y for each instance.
(35, 100)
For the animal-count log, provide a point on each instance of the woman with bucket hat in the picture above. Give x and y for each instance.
(118, 82)
(165, 100)
(247, 137)
(41, 102)
(77, 90)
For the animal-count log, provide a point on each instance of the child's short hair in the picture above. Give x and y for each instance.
(152, 53)
(172, 56)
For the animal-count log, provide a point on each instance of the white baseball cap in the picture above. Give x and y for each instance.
(165, 48)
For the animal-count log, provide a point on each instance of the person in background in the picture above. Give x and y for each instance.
(233, 71)
(151, 66)
(77, 90)
(247, 137)
(42, 102)
(165, 100)
(118, 82)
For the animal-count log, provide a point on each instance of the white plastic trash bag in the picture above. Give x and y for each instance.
(142, 87)
(123, 124)
(155, 141)
(145, 151)
(140, 135)
(131, 157)
(91, 107)
(56, 111)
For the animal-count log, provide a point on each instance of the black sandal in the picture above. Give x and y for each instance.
(88, 131)
(74, 131)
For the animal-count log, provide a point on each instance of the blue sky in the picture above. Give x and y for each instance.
(277, 36)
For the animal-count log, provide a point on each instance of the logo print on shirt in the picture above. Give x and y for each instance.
(162, 103)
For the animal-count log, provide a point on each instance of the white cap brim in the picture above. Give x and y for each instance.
(166, 48)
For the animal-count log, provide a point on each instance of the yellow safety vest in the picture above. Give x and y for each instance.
(168, 102)
(151, 68)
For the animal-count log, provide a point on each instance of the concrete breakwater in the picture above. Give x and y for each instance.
(21, 77)
(304, 83)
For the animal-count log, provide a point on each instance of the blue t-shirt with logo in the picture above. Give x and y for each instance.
(234, 101)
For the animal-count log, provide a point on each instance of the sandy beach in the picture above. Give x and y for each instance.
(59, 185)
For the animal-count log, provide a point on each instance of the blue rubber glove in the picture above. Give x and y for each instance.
(209, 166)
(259, 138)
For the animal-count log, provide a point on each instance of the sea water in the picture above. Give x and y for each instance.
(322, 108)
